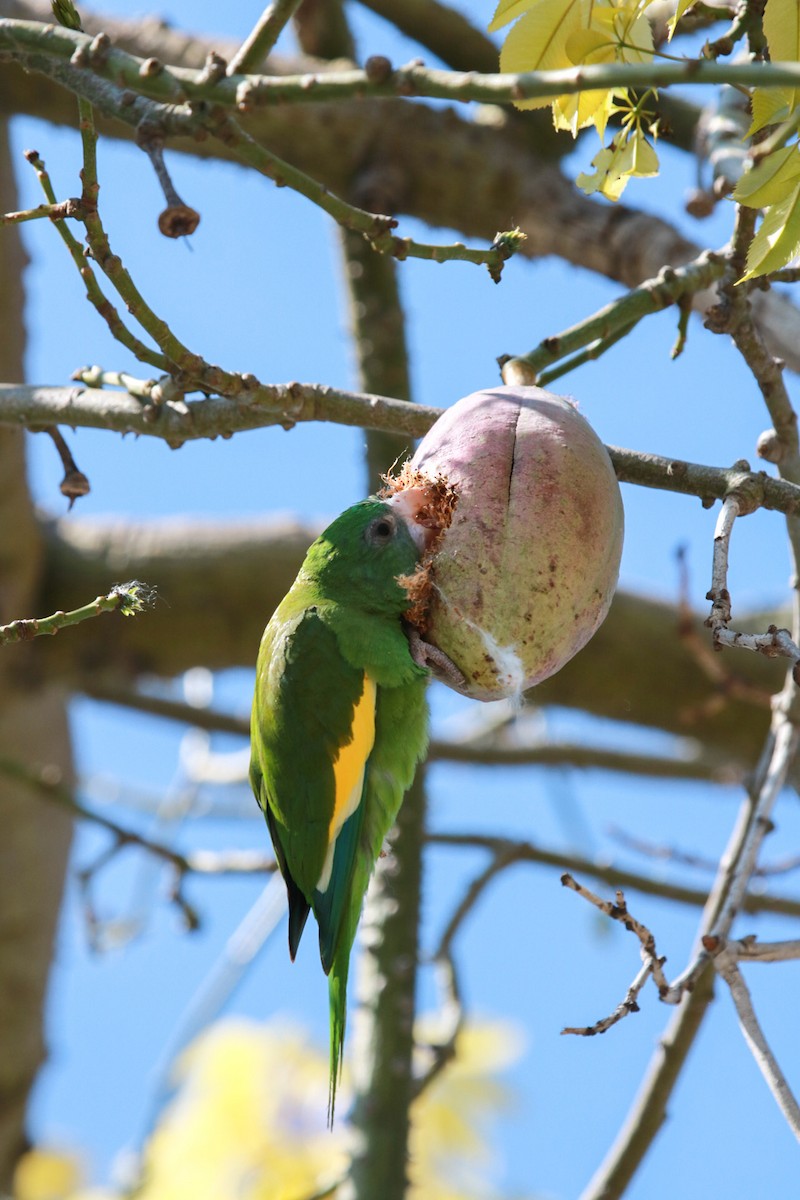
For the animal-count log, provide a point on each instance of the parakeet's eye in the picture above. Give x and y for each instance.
(381, 530)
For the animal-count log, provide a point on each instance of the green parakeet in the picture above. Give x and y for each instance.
(339, 724)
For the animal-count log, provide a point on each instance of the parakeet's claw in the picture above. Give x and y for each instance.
(434, 659)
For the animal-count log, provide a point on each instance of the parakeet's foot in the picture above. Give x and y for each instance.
(434, 659)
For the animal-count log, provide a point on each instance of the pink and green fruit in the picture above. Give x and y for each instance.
(525, 572)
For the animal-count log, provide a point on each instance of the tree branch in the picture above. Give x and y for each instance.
(475, 165)
(242, 570)
(670, 286)
(127, 598)
(289, 404)
(262, 38)
(26, 40)
(507, 851)
(726, 966)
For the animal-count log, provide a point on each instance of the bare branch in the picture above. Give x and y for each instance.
(262, 38)
(748, 949)
(253, 405)
(198, 862)
(697, 861)
(651, 963)
(727, 967)
(693, 988)
(629, 1004)
(514, 851)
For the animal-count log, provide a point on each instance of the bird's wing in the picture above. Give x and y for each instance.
(313, 732)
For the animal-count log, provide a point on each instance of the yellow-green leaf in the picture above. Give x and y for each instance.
(634, 36)
(508, 10)
(679, 11)
(769, 106)
(771, 180)
(574, 112)
(589, 45)
(610, 172)
(538, 40)
(777, 239)
(782, 31)
(645, 159)
(616, 164)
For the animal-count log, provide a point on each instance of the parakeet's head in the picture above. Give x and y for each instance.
(359, 557)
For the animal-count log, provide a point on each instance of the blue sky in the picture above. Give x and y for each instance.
(261, 261)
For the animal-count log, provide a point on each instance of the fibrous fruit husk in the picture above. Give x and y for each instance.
(525, 571)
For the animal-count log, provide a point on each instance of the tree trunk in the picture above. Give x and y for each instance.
(384, 1024)
(33, 730)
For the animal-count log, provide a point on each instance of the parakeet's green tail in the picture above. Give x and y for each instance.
(337, 993)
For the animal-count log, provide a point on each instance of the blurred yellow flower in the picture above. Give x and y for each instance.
(248, 1123)
(450, 1151)
(46, 1174)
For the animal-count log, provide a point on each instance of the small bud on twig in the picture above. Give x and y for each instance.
(177, 219)
(66, 14)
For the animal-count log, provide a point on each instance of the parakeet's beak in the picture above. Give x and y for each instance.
(414, 506)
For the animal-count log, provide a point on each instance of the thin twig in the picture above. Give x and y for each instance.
(697, 861)
(94, 293)
(260, 41)
(775, 642)
(56, 212)
(748, 949)
(727, 686)
(74, 483)
(178, 219)
(375, 227)
(526, 851)
(128, 598)
(718, 593)
(694, 988)
(593, 351)
(194, 862)
(670, 286)
(629, 1004)
(652, 965)
(727, 967)
(783, 753)
(445, 1049)
(49, 787)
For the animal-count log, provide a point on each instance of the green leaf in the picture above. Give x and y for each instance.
(771, 180)
(66, 14)
(777, 239)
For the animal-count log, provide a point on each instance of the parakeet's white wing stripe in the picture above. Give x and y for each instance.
(348, 771)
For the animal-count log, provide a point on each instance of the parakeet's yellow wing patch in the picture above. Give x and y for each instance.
(348, 771)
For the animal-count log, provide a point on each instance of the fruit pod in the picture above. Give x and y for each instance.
(526, 570)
